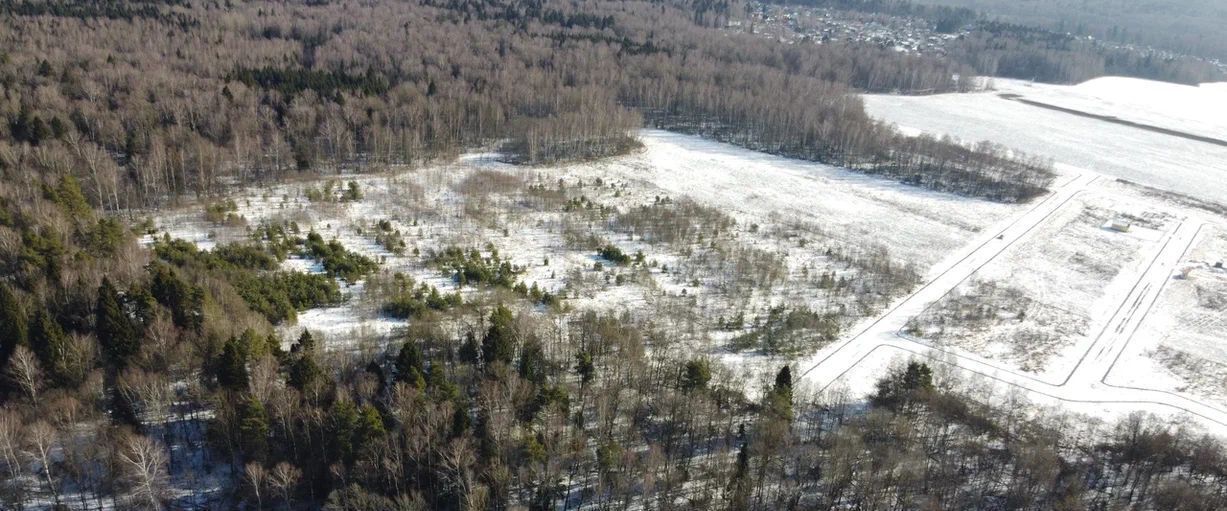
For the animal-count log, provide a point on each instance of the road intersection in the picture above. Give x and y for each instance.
(1087, 383)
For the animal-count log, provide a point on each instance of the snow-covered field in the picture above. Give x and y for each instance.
(1198, 110)
(801, 220)
(1182, 347)
(1180, 165)
(1076, 314)
(1041, 297)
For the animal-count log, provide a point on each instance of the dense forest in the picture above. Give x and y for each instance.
(143, 106)
(151, 377)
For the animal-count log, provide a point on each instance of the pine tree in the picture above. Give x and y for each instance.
(783, 382)
(253, 430)
(410, 367)
(370, 427)
(232, 365)
(470, 352)
(696, 375)
(343, 430)
(899, 388)
(50, 343)
(499, 345)
(532, 362)
(14, 330)
(116, 334)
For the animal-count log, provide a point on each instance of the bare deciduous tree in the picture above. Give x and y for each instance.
(143, 463)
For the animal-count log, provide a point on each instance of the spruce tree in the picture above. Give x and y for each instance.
(461, 422)
(49, 343)
(779, 400)
(696, 375)
(253, 430)
(304, 372)
(532, 362)
(116, 334)
(470, 352)
(306, 343)
(185, 301)
(585, 367)
(783, 382)
(232, 365)
(499, 345)
(410, 367)
(739, 491)
(14, 329)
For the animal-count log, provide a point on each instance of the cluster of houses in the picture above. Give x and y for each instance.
(791, 23)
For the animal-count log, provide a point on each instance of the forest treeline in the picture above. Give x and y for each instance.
(143, 109)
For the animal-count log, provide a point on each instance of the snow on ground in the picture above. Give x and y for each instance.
(793, 219)
(1038, 305)
(916, 225)
(1181, 347)
(789, 213)
(1180, 165)
(1199, 110)
(1149, 341)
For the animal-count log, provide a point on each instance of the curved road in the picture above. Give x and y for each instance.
(1087, 381)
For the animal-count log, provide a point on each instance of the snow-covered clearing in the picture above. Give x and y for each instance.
(799, 229)
(916, 225)
(1190, 167)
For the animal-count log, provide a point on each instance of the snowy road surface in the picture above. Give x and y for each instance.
(1086, 384)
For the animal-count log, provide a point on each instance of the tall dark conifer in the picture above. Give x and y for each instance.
(50, 344)
(14, 328)
(499, 345)
(115, 331)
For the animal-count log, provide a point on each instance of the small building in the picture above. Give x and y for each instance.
(1119, 224)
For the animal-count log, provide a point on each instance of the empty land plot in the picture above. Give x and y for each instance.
(1045, 294)
(1179, 347)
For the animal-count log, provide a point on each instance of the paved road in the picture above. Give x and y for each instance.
(1086, 382)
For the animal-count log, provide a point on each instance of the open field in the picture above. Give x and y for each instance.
(1199, 111)
(1077, 314)
(1189, 167)
(1042, 297)
(1181, 348)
